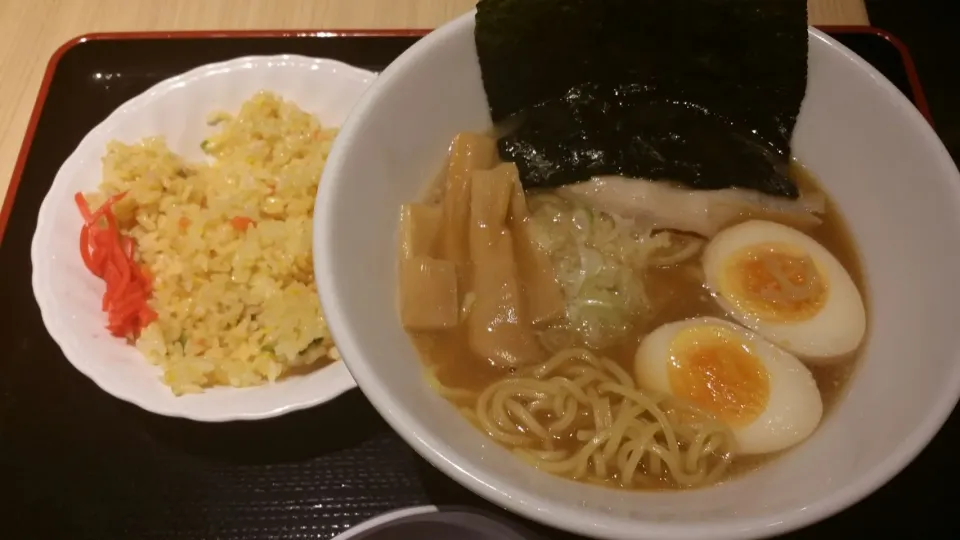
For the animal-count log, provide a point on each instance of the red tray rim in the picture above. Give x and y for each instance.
(919, 98)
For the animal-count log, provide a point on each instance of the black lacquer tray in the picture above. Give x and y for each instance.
(76, 463)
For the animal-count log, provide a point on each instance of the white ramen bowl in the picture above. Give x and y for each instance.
(877, 157)
(69, 295)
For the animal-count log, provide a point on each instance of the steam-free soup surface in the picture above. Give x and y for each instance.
(668, 293)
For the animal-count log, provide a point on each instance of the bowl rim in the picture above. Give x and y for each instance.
(527, 502)
(338, 377)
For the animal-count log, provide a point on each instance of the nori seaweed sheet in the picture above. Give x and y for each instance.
(703, 92)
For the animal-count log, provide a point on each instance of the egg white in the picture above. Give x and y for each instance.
(794, 406)
(836, 329)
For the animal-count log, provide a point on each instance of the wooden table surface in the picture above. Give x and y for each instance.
(30, 30)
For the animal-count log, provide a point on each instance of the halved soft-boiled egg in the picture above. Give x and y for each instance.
(787, 287)
(763, 393)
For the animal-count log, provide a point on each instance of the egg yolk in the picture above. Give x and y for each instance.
(713, 368)
(775, 282)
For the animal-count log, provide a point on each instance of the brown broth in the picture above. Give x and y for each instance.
(675, 293)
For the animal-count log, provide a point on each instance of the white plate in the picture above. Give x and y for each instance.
(69, 295)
